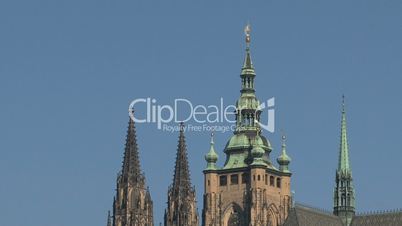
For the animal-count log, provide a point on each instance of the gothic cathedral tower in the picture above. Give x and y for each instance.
(248, 190)
(344, 192)
(132, 204)
(182, 206)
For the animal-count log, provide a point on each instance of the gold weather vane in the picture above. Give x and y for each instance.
(247, 31)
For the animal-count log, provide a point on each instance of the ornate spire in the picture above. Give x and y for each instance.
(181, 178)
(343, 163)
(284, 160)
(248, 112)
(130, 205)
(211, 157)
(344, 193)
(248, 68)
(131, 164)
(182, 208)
(248, 128)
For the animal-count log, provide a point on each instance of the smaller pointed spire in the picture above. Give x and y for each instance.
(211, 157)
(181, 178)
(284, 160)
(343, 164)
(248, 67)
(181, 194)
(109, 219)
(344, 194)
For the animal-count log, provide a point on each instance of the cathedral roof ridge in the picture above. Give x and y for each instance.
(379, 212)
(314, 208)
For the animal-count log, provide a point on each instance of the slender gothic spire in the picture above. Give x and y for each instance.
(343, 163)
(131, 163)
(181, 206)
(344, 193)
(181, 178)
(132, 204)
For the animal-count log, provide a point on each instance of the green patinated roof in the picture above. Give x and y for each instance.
(248, 67)
(248, 101)
(343, 163)
(236, 160)
(238, 146)
(241, 140)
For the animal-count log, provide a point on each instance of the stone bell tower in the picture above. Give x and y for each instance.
(248, 190)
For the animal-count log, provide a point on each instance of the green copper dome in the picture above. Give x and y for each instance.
(284, 160)
(257, 153)
(241, 140)
(211, 157)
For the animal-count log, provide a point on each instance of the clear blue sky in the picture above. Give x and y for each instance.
(68, 71)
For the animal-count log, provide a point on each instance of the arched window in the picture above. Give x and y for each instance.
(234, 179)
(259, 177)
(278, 182)
(244, 178)
(223, 180)
(271, 181)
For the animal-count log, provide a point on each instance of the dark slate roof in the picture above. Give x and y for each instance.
(302, 215)
(383, 219)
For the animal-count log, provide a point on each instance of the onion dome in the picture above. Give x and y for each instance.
(211, 157)
(284, 160)
(257, 153)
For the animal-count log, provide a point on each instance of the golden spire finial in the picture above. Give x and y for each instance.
(283, 138)
(247, 31)
(212, 137)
